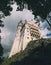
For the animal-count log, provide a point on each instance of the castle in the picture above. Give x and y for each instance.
(26, 32)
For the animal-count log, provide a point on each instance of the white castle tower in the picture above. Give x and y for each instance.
(26, 32)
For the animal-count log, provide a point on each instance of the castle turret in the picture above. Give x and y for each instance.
(16, 45)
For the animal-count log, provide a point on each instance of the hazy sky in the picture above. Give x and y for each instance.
(10, 22)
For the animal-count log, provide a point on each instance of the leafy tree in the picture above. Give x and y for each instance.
(39, 7)
(5, 9)
(1, 53)
(1, 23)
(48, 19)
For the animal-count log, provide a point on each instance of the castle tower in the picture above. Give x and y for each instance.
(15, 47)
(25, 33)
(30, 31)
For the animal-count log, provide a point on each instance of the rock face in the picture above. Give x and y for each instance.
(26, 32)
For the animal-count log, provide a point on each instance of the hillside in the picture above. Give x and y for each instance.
(37, 52)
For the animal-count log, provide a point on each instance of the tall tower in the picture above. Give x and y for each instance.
(25, 33)
(16, 45)
(30, 31)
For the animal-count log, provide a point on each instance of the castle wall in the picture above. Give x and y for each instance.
(27, 36)
(16, 45)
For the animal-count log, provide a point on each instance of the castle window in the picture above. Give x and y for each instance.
(27, 37)
(27, 28)
(27, 34)
(32, 38)
(27, 31)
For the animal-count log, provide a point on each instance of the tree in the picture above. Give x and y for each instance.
(1, 53)
(39, 7)
(1, 48)
(48, 19)
(5, 7)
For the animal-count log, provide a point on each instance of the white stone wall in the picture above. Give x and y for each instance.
(27, 36)
(16, 45)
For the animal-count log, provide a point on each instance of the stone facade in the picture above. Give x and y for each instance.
(26, 32)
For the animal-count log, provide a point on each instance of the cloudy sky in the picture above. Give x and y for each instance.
(10, 22)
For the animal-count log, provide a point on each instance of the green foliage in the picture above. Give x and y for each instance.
(37, 52)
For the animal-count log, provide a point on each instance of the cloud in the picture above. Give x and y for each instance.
(27, 15)
(44, 25)
(7, 40)
(45, 32)
(10, 26)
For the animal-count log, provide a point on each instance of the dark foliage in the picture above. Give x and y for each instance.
(1, 23)
(38, 56)
(39, 7)
(1, 53)
(37, 52)
(5, 7)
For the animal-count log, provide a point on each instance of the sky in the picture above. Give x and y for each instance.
(10, 26)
